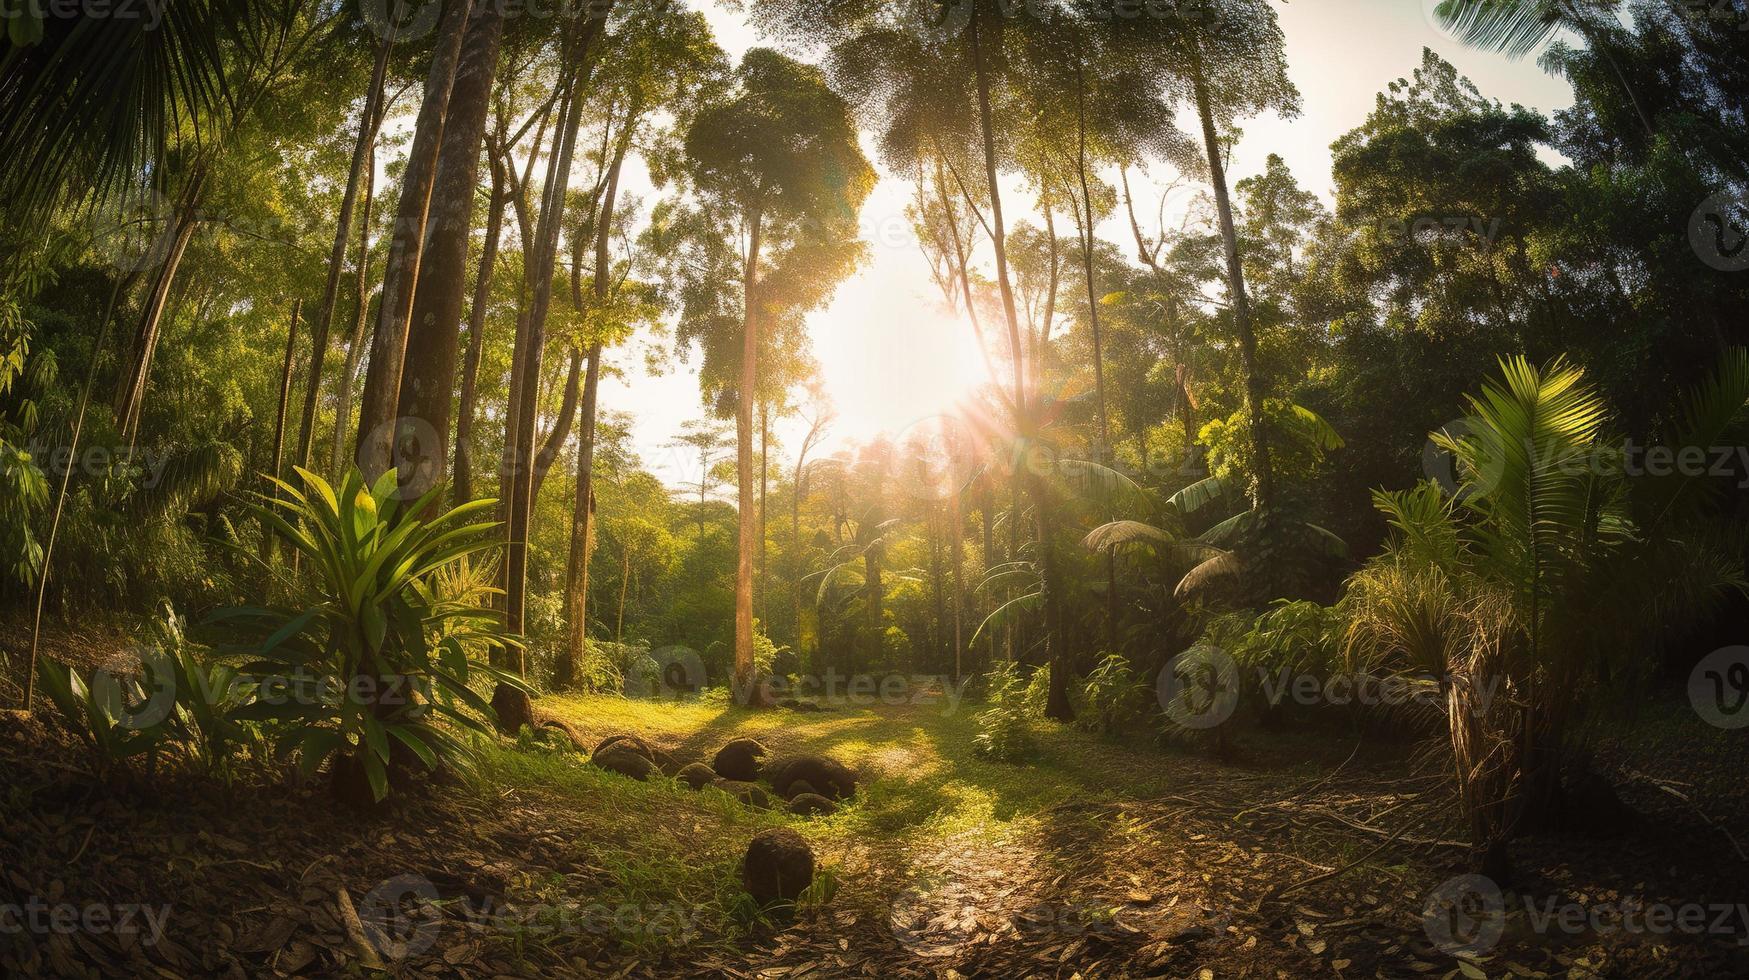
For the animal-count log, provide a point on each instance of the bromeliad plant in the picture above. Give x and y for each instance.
(375, 664)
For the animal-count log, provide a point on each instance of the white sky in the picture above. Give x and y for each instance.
(891, 354)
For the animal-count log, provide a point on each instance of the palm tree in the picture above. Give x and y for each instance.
(1549, 571)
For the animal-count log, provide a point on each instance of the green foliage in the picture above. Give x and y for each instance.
(23, 487)
(371, 660)
(115, 716)
(1005, 725)
(1113, 699)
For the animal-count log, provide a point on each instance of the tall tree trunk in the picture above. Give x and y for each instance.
(285, 385)
(998, 234)
(1086, 222)
(512, 706)
(764, 475)
(746, 521)
(798, 490)
(1057, 704)
(360, 317)
(131, 392)
(871, 574)
(1263, 470)
(368, 119)
(382, 380)
(428, 374)
(958, 557)
(464, 421)
(583, 504)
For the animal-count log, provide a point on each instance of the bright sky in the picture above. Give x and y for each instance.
(891, 354)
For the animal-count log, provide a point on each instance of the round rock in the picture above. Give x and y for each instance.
(739, 759)
(779, 866)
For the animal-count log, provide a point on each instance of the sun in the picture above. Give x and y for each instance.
(892, 355)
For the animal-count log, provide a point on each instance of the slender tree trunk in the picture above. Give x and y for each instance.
(360, 317)
(285, 385)
(1263, 470)
(48, 553)
(744, 466)
(1086, 223)
(583, 505)
(871, 565)
(464, 421)
(382, 381)
(368, 118)
(561, 430)
(764, 474)
(512, 706)
(998, 235)
(958, 557)
(798, 490)
(625, 582)
(131, 393)
(428, 373)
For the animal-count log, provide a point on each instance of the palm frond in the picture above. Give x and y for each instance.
(1200, 494)
(1208, 573)
(1514, 28)
(100, 97)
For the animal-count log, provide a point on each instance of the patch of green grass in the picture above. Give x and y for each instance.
(657, 844)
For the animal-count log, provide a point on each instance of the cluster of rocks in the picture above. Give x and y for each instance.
(779, 865)
(807, 785)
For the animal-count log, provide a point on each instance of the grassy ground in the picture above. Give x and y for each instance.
(1298, 856)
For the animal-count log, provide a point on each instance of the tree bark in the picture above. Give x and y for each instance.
(746, 522)
(1262, 470)
(285, 384)
(1087, 239)
(131, 392)
(464, 421)
(360, 311)
(583, 504)
(428, 375)
(512, 706)
(382, 381)
(561, 430)
(368, 119)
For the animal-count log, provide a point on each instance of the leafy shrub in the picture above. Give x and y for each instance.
(1113, 699)
(1037, 692)
(115, 716)
(1005, 727)
(372, 661)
